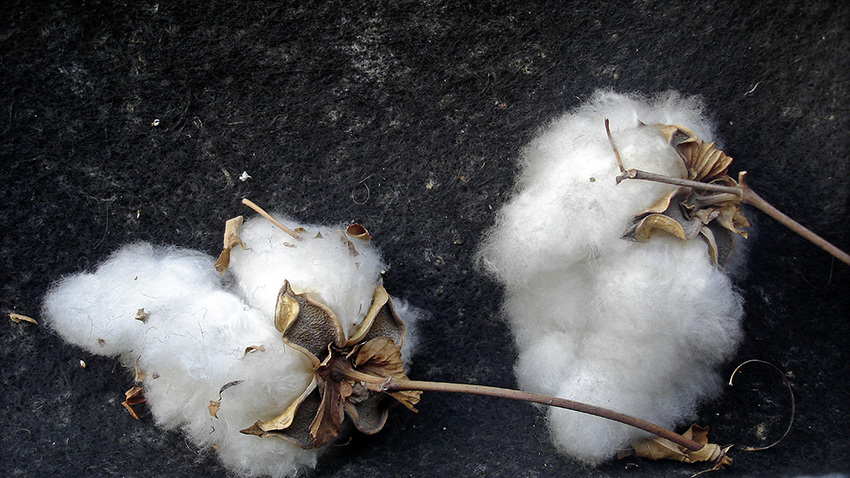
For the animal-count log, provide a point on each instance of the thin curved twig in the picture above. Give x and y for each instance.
(397, 385)
(790, 393)
(748, 196)
(268, 216)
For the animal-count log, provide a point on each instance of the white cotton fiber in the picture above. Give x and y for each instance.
(199, 325)
(635, 327)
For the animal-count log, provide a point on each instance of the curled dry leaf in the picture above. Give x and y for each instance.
(343, 369)
(231, 239)
(658, 448)
(18, 318)
(687, 213)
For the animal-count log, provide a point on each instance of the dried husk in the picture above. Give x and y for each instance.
(686, 213)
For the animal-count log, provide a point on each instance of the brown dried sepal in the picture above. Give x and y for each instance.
(343, 369)
(380, 357)
(231, 239)
(687, 213)
(658, 448)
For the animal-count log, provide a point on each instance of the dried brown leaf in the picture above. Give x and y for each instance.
(306, 324)
(18, 318)
(231, 239)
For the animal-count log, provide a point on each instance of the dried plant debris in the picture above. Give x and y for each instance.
(342, 368)
(141, 315)
(687, 213)
(204, 329)
(18, 318)
(231, 239)
(215, 405)
(658, 448)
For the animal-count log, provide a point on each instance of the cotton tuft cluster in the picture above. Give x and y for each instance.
(199, 325)
(635, 327)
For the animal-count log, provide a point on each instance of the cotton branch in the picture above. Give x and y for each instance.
(268, 216)
(742, 192)
(395, 385)
(747, 196)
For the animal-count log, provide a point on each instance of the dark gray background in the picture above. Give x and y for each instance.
(406, 117)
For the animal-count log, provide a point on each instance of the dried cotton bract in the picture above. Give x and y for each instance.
(638, 327)
(208, 354)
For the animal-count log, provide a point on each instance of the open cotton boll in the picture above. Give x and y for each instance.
(634, 327)
(339, 271)
(209, 338)
(270, 258)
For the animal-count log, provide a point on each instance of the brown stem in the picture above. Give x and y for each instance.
(399, 385)
(660, 178)
(748, 196)
(268, 216)
(614, 147)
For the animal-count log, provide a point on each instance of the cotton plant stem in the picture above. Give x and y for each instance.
(268, 216)
(748, 196)
(400, 385)
(753, 199)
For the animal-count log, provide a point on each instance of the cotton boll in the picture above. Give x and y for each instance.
(211, 338)
(101, 307)
(567, 206)
(321, 263)
(635, 327)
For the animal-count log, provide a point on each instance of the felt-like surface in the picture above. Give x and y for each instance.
(124, 122)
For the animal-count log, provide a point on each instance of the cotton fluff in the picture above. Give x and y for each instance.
(634, 327)
(200, 324)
